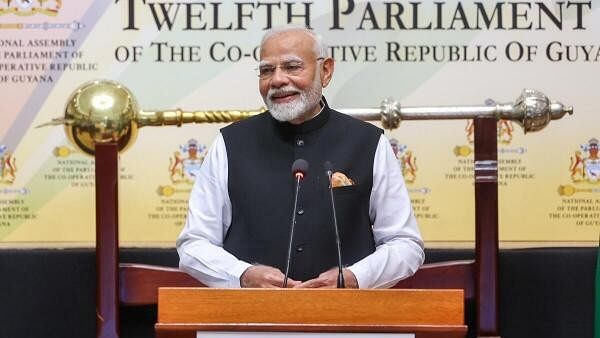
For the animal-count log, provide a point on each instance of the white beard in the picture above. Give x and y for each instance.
(289, 111)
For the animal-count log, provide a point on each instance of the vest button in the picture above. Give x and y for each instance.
(300, 143)
(300, 212)
(300, 248)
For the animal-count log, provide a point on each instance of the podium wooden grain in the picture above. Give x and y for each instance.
(427, 313)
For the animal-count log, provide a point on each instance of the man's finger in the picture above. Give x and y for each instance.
(263, 276)
(276, 279)
(312, 283)
(292, 283)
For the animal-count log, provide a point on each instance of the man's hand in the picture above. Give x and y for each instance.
(328, 280)
(262, 276)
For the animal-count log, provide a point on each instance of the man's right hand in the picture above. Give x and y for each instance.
(263, 276)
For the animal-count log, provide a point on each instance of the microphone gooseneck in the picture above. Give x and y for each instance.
(299, 170)
(329, 172)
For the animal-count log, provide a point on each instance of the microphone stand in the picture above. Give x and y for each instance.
(289, 253)
(340, 281)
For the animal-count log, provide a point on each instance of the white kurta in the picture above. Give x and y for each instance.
(399, 248)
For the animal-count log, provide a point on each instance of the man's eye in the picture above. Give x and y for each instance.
(266, 70)
(292, 67)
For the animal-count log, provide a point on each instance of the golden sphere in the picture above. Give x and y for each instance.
(101, 111)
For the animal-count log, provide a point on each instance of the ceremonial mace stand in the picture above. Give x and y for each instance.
(127, 284)
(479, 277)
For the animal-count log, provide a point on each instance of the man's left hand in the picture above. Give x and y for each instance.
(328, 280)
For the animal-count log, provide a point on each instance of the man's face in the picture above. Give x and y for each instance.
(293, 85)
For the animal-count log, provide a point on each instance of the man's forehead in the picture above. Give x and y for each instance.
(287, 43)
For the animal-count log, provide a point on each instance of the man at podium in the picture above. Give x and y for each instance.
(238, 226)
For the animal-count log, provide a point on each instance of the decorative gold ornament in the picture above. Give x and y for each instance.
(62, 151)
(169, 190)
(463, 151)
(566, 190)
(165, 190)
(569, 190)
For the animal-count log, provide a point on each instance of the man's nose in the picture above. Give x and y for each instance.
(279, 78)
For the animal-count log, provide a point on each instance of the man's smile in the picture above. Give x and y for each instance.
(284, 96)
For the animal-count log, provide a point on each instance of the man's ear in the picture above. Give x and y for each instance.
(326, 71)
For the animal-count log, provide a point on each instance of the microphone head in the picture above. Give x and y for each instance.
(328, 167)
(299, 168)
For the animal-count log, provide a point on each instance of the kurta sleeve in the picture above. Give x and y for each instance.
(399, 247)
(200, 244)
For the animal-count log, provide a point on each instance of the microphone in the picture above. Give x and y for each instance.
(299, 170)
(340, 281)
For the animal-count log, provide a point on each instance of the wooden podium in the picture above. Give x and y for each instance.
(182, 312)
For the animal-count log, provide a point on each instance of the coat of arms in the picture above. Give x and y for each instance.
(30, 7)
(585, 163)
(407, 160)
(8, 166)
(185, 163)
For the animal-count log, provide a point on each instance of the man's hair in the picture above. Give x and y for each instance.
(319, 47)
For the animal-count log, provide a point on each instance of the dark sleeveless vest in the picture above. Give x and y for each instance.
(260, 153)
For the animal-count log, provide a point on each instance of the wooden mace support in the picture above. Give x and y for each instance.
(107, 240)
(486, 226)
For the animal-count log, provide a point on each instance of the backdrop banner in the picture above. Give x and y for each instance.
(202, 55)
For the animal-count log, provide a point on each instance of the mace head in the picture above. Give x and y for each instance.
(101, 111)
(536, 110)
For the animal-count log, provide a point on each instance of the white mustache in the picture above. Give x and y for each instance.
(282, 91)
